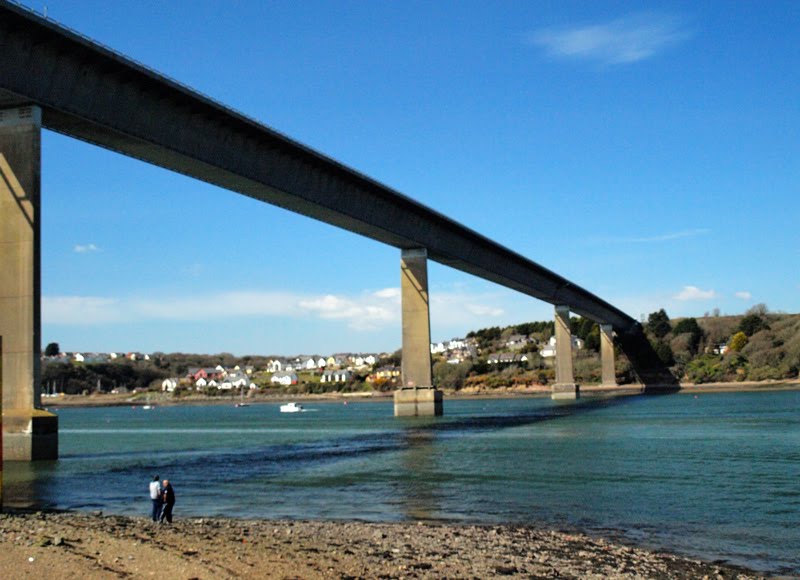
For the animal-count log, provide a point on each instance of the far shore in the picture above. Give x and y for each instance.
(138, 399)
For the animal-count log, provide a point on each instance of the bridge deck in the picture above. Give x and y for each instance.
(94, 94)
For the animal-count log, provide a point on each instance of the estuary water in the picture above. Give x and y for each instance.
(715, 476)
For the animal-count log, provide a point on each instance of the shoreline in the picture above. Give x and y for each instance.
(46, 545)
(125, 400)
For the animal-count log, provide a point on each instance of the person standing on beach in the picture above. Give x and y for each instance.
(156, 495)
(169, 501)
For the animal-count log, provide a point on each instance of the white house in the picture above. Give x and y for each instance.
(78, 357)
(549, 349)
(438, 347)
(275, 365)
(339, 376)
(201, 383)
(169, 385)
(284, 378)
(506, 358)
(517, 341)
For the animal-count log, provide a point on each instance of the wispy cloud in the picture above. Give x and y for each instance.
(744, 295)
(695, 293)
(85, 248)
(667, 237)
(366, 311)
(622, 41)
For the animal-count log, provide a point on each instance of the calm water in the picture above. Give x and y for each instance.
(715, 476)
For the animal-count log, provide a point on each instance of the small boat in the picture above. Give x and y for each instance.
(147, 406)
(241, 402)
(291, 408)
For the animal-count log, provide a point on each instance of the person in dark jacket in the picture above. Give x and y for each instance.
(169, 501)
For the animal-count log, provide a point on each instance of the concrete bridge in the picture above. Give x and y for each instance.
(54, 78)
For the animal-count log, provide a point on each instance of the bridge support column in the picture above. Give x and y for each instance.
(417, 396)
(608, 368)
(29, 433)
(564, 387)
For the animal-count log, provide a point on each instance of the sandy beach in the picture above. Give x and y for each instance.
(81, 545)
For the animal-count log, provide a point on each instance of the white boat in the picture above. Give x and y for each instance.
(291, 408)
(241, 402)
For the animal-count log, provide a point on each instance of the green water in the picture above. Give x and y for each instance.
(715, 476)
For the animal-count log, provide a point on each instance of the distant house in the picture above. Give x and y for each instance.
(237, 380)
(549, 349)
(201, 383)
(275, 365)
(284, 378)
(504, 358)
(205, 373)
(516, 341)
(169, 385)
(78, 357)
(336, 376)
(387, 372)
(438, 347)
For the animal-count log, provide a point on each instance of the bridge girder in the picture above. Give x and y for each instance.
(91, 93)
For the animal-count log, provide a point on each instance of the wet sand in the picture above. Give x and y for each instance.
(80, 545)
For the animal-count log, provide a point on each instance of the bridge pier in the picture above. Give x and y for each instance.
(416, 397)
(29, 433)
(564, 387)
(608, 372)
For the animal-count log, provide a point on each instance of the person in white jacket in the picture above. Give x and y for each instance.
(156, 496)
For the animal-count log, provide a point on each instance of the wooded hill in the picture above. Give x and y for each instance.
(758, 345)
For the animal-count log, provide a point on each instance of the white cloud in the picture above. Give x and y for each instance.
(667, 237)
(85, 248)
(365, 311)
(695, 293)
(622, 41)
(744, 295)
(81, 310)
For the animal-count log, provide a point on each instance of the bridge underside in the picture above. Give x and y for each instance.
(91, 93)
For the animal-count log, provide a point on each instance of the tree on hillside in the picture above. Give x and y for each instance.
(738, 342)
(52, 349)
(658, 323)
(690, 326)
(751, 324)
(664, 352)
(759, 309)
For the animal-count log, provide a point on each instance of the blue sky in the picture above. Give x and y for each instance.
(647, 151)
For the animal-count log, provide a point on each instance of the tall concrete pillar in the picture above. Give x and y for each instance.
(564, 387)
(417, 395)
(29, 433)
(608, 368)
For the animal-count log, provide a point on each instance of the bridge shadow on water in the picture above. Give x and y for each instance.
(97, 474)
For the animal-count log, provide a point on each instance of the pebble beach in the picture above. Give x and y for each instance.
(45, 545)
